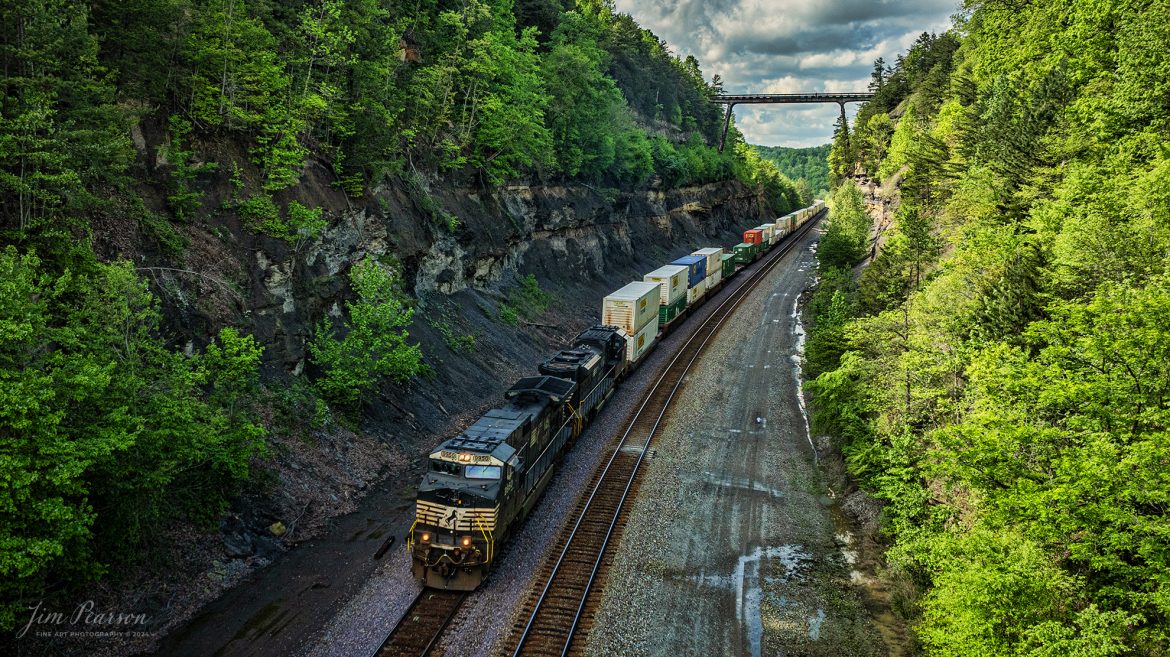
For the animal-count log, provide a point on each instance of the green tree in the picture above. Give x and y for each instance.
(845, 240)
(1002, 389)
(503, 125)
(585, 104)
(808, 164)
(373, 344)
(61, 136)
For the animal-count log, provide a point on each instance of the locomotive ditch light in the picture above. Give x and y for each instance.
(425, 538)
(466, 542)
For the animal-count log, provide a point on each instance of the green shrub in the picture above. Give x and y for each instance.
(301, 224)
(183, 200)
(508, 315)
(528, 299)
(161, 230)
(304, 223)
(261, 215)
(457, 342)
(372, 344)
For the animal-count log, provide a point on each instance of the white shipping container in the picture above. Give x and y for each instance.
(780, 228)
(631, 307)
(714, 279)
(695, 294)
(672, 281)
(640, 343)
(769, 233)
(712, 255)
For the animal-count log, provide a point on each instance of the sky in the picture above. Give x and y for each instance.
(790, 46)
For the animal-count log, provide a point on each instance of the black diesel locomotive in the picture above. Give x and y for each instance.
(481, 483)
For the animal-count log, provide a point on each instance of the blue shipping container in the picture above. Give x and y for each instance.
(696, 268)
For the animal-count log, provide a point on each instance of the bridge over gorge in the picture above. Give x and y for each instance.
(760, 99)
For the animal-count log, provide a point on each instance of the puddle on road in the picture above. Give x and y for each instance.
(763, 568)
(861, 557)
(798, 374)
(736, 483)
(749, 590)
(814, 625)
(850, 554)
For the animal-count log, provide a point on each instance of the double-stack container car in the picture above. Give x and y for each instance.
(781, 227)
(714, 279)
(634, 309)
(755, 237)
(769, 231)
(727, 264)
(696, 278)
(745, 253)
(672, 282)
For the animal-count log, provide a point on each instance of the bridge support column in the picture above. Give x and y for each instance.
(726, 124)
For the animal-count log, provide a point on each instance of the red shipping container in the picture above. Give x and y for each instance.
(753, 236)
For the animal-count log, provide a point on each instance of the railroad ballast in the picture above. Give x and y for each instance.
(481, 484)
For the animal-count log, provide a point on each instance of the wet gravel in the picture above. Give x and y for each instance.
(487, 617)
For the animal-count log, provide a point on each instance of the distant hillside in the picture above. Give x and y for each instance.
(812, 164)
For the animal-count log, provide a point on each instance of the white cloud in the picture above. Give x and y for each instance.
(789, 46)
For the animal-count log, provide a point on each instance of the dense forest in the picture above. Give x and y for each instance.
(999, 375)
(111, 431)
(808, 164)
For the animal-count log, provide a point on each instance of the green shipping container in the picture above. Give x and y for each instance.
(666, 314)
(744, 253)
(728, 261)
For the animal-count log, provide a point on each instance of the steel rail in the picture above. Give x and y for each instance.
(706, 330)
(433, 610)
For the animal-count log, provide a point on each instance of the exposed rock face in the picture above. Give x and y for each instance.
(568, 236)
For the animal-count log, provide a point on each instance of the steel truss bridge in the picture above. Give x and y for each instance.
(761, 99)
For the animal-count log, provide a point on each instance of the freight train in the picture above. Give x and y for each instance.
(481, 484)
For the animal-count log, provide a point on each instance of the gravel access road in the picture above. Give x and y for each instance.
(734, 545)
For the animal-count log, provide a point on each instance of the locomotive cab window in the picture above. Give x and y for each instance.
(482, 472)
(445, 467)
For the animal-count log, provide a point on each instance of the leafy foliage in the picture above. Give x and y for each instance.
(373, 341)
(808, 164)
(527, 301)
(779, 192)
(1002, 380)
(108, 435)
(184, 201)
(847, 236)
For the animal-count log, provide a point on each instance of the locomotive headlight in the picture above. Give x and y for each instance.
(425, 537)
(466, 542)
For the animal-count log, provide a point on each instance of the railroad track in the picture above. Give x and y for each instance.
(563, 608)
(419, 630)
